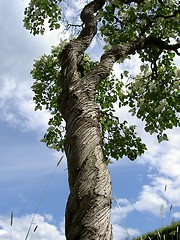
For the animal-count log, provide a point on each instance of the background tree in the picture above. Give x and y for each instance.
(84, 93)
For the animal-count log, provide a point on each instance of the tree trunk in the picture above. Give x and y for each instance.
(89, 203)
(88, 208)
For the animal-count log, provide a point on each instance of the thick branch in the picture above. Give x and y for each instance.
(89, 20)
(152, 41)
(117, 52)
(120, 51)
(73, 52)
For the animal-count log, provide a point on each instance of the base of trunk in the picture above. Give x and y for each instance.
(89, 203)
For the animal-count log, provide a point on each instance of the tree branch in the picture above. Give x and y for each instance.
(152, 41)
(174, 14)
(89, 20)
(133, 1)
(73, 52)
(120, 51)
(117, 52)
(150, 19)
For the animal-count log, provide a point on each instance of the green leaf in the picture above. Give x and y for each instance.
(126, 73)
(38, 107)
(165, 137)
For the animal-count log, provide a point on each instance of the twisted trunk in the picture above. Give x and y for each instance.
(88, 207)
(89, 203)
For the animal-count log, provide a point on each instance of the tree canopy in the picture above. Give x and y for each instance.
(149, 29)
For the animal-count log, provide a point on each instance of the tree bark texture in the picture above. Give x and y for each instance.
(88, 208)
(89, 203)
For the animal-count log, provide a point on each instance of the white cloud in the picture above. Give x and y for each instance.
(163, 187)
(122, 207)
(176, 215)
(45, 230)
(7, 86)
(149, 201)
(172, 186)
(165, 159)
(18, 52)
(49, 217)
(17, 107)
(170, 165)
(9, 117)
(132, 65)
(120, 210)
(121, 233)
(31, 120)
(164, 168)
(2, 232)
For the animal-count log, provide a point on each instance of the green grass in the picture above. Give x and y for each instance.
(171, 232)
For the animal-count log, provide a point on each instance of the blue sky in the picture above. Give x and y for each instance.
(26, 164)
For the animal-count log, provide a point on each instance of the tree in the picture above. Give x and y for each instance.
(83, 93)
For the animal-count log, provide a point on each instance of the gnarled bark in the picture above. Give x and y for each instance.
(89, 203)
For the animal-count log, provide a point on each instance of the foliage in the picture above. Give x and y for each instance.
(38, 11)
(47, 91)
(152, 95)
(119, 138)
(121, 21)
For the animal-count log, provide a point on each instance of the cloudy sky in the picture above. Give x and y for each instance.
(30, 182)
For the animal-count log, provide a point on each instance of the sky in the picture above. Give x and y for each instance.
(33, 187)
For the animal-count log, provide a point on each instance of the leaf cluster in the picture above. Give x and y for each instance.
(46, 93)
(153, 96)
(119, 139)
(124, 22)
(38, 11)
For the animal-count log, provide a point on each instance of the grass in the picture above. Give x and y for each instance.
(166, 233)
